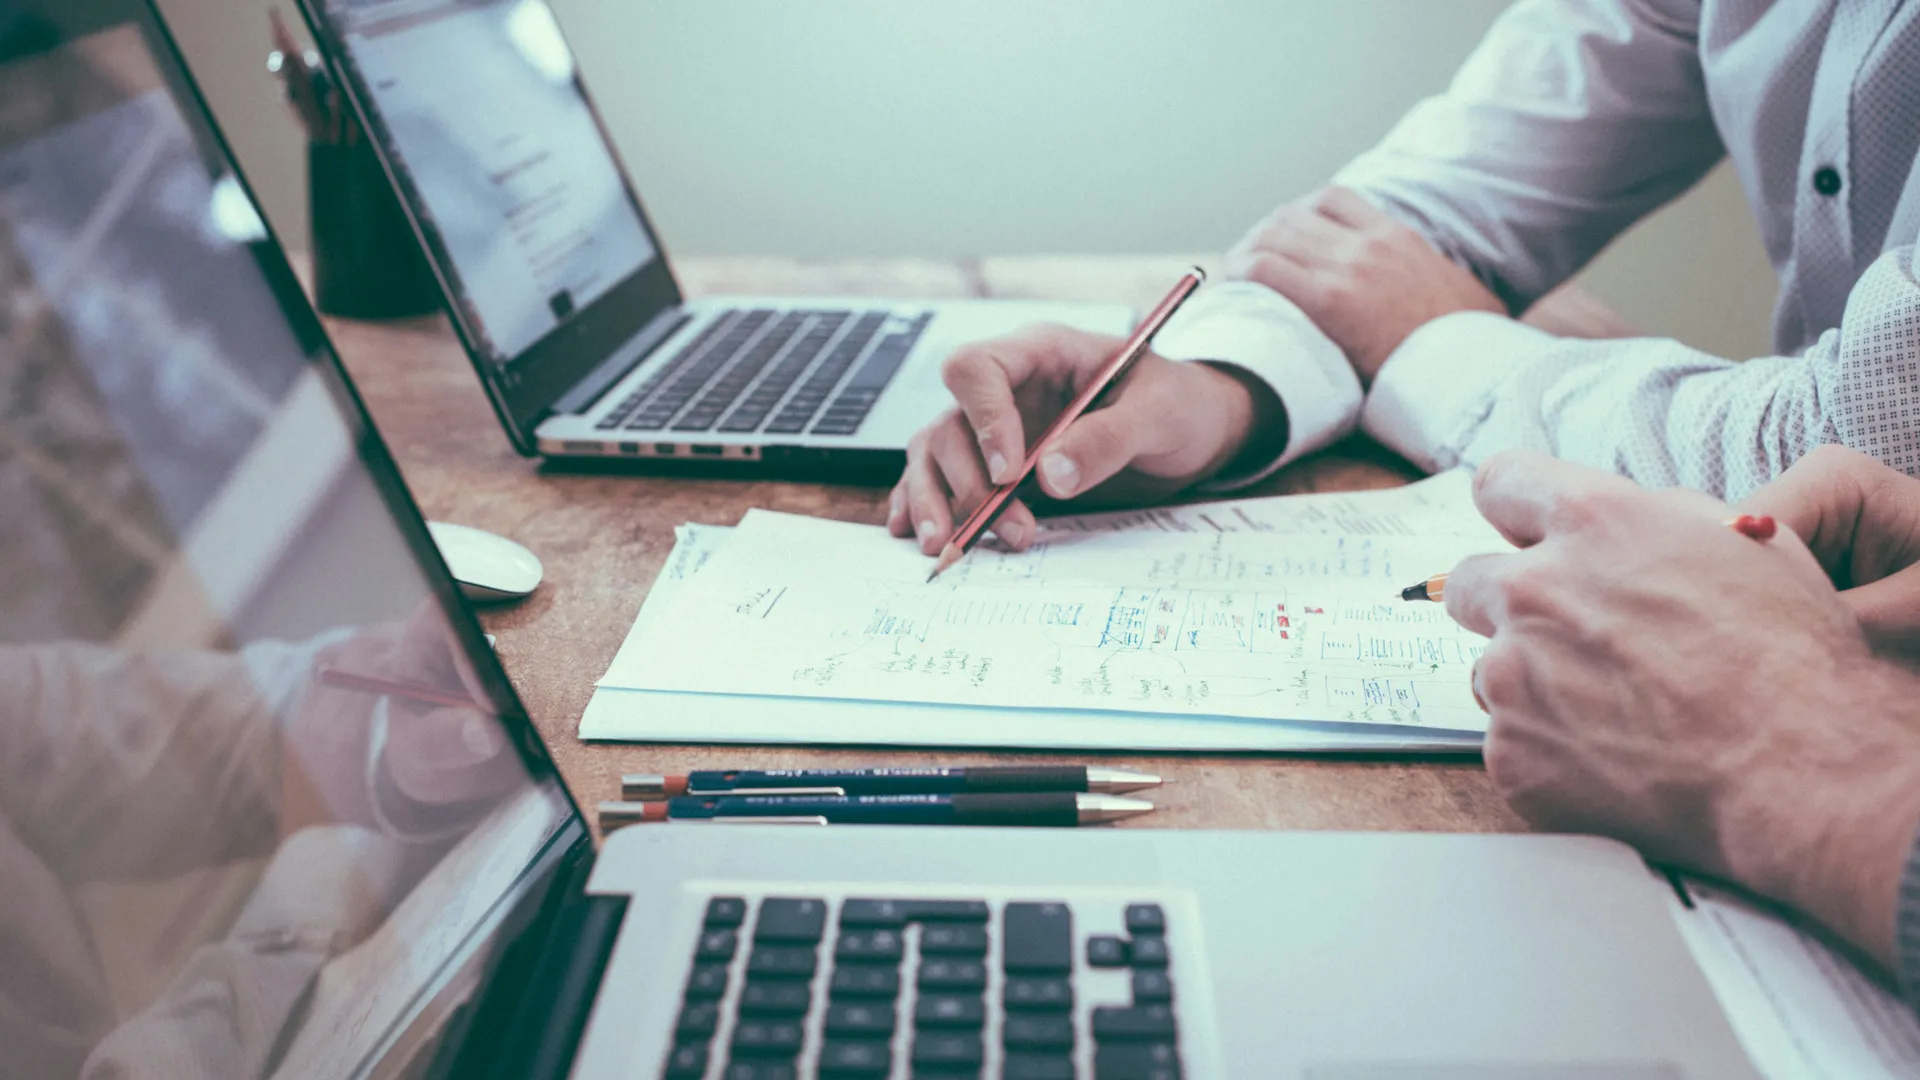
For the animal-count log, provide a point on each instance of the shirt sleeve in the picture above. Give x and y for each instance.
(1906, 928)
(1467, 386)
(1251, 327)
(1569, 122)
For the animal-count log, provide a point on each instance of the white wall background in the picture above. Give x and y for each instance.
(837, 128)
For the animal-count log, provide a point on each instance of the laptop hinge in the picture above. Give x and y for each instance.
(529, 1020)
(614, 368)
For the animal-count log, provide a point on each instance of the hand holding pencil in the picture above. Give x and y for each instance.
(1168, 426)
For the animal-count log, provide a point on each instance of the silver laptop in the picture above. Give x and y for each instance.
(272, 809)
(562, 294)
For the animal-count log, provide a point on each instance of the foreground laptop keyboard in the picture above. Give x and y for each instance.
(781, 372)
(909, 989)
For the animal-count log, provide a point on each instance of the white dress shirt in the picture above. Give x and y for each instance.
(1571, 121)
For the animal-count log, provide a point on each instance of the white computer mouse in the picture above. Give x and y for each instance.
(488, 567)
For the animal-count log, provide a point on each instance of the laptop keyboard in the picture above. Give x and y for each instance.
(782, 372)
(931, 989)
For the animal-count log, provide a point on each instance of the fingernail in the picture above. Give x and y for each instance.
(895, 504)
(478, 737)
(1013, 532)
(925, 528)
(997, 467)
(1062, 474)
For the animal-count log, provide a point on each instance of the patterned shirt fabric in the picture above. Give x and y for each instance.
(1573, 120)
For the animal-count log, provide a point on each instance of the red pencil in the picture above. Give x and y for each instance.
(373, 684)
(1116, 368)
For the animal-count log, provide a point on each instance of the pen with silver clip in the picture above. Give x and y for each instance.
(1054, 808)
(972, 779)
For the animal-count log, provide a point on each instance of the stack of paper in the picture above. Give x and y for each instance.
(1253, 624)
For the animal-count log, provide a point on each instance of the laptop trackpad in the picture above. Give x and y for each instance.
(1443, 1070)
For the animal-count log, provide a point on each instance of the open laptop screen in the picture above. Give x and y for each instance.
(479, 113)
(486, 119)
(224, 853)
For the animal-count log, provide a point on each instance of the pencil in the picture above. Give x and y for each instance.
(329, 675)
(1755, 526)
(1106, 378)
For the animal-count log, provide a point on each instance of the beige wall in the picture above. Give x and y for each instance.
(827, 128)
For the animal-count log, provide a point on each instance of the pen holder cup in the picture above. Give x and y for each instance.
(367, 263)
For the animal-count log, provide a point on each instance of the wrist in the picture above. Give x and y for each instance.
(1253, 421)
(1829, 829)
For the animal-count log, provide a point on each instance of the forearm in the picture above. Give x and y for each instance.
(99, 744)
(1571, 120)
(1465, 387)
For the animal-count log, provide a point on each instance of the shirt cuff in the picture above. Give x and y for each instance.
(1906, 928)
(1251, 327)
(1440, 383)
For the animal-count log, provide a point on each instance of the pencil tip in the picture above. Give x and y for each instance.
(1414, 592)
(948, 556)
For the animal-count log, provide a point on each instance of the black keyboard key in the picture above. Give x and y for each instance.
(1037, 994)
(791, 921)
(1149, 951)
(1141, 1023)
(781, 962)
(865, 981)
(1028, 1066)
(1039, 938)
(841, 1057)
(728, 388)
(890, 914)
(758, 1070)
(955, 974)
(966, 1012)
(767, 1038)
(1152, 986)
(716, 945)
(860, 1019)
(725, 912)
(1038, 1031)
(707, 981)
(1106, 951)
(947, 1050)
(1146, 919)
(697, 1021)
(927, 911)
(1122, 1061)
(785, 997)
(960, 939)
(869, 947)
(687, 1062)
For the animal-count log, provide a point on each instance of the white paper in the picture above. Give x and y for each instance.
(1802, 1009)
(1437, 506)
(1253, 626)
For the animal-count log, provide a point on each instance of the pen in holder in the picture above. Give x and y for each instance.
(366, 262)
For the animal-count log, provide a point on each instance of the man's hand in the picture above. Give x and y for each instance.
(1366, 280)
(433, 757)
(1862, 520)
(1658, 677)
(1168, 426)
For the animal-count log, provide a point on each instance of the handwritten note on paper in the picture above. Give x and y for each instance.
(1234, 624)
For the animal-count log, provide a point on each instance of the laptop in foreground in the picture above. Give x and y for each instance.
(560, 290)
(222, 861)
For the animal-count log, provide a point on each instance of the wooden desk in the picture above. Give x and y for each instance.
(603, 537)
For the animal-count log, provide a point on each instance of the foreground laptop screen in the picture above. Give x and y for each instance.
(484, 121)
(224, 853)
